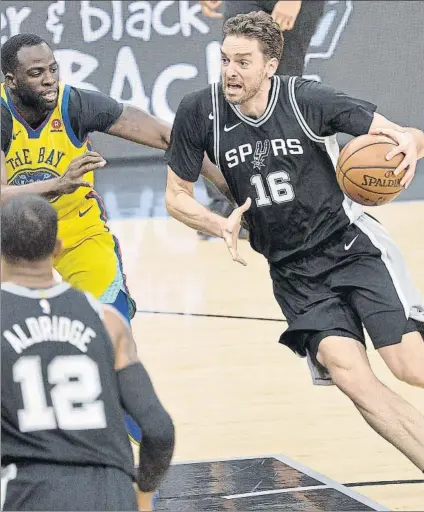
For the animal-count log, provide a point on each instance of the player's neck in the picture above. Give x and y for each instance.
(35, 275)
(256, 106)
(33, 116)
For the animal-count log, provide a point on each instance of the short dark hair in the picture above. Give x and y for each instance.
(10, 49)
(259, 26)
(28, 229)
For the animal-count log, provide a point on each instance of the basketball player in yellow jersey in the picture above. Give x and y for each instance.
(45, 150)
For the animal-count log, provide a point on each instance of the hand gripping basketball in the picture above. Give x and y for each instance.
(406, 145)
(231, 230)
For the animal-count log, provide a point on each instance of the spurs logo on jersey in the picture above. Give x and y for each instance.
(276, 147)
(261, 152)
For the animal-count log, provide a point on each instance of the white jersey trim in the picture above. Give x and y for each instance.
(35, 293)
(300, 119)
(275, 93)
(216, 132)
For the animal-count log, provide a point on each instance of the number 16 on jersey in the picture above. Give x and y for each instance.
(279, 188)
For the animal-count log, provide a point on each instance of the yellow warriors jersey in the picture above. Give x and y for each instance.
(45, 153)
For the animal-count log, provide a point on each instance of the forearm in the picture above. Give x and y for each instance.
(141, 402)
(46, 189)
(139, 126)
(183, 207)
(212, 174)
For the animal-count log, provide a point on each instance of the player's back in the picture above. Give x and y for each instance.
(60, 398)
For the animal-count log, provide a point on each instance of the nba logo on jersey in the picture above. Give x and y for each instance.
(261, 152)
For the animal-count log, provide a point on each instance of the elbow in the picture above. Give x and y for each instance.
(161, 439)
(4, 192)
(170, 203)
(166, 436)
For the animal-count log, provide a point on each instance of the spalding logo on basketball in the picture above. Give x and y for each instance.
(365, 175)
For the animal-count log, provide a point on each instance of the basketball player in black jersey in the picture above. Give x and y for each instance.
(69, 364)
(334, 269)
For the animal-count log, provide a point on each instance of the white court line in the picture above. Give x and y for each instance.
(304, 469)
(274, 491)
(332, 483)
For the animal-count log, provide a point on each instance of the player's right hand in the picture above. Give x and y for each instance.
(231, 230)
(209, 8)
(71, 180)
(145, 500)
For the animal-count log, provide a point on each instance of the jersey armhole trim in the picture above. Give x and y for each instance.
(299, 117)
(4, 104)
(95, 304)
(65, 116)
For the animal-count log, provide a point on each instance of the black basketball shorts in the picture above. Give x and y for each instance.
(357, 279)
(63, 487)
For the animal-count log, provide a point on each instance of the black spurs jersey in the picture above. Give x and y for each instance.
(59, 395)
(284, 160)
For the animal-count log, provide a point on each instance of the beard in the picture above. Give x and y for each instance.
(34, 100)
(249, 92)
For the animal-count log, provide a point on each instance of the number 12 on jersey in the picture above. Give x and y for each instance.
(75, 380)
(280, 190)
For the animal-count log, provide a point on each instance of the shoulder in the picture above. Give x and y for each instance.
(197, 101)
(308, 90)
(95, 304)
(82, 99)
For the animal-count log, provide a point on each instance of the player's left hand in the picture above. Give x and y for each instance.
(405, 144)
(285, 13)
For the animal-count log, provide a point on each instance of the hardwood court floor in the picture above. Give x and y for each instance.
(232, 390)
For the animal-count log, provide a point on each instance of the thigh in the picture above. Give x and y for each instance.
(95, 265)
(91, 266)
(312, 309)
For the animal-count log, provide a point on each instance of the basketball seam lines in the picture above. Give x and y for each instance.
(300, 119)
(359, 149)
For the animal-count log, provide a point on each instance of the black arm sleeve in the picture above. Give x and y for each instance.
(141, 402)
(186, 149)
(6, 129)
(92, 111)
(327, 111)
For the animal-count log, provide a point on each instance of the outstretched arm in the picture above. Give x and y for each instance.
(139, 126)
(136, 125)
(182, 205)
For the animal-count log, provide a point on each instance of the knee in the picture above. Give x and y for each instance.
(348, 365)
(412, 373)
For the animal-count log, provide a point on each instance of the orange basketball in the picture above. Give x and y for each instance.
(365, 175)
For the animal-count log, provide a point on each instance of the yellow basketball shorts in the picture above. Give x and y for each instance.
(91, 259)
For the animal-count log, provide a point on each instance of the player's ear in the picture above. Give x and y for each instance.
(58, 248)
(272, 66)
(9, 80)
